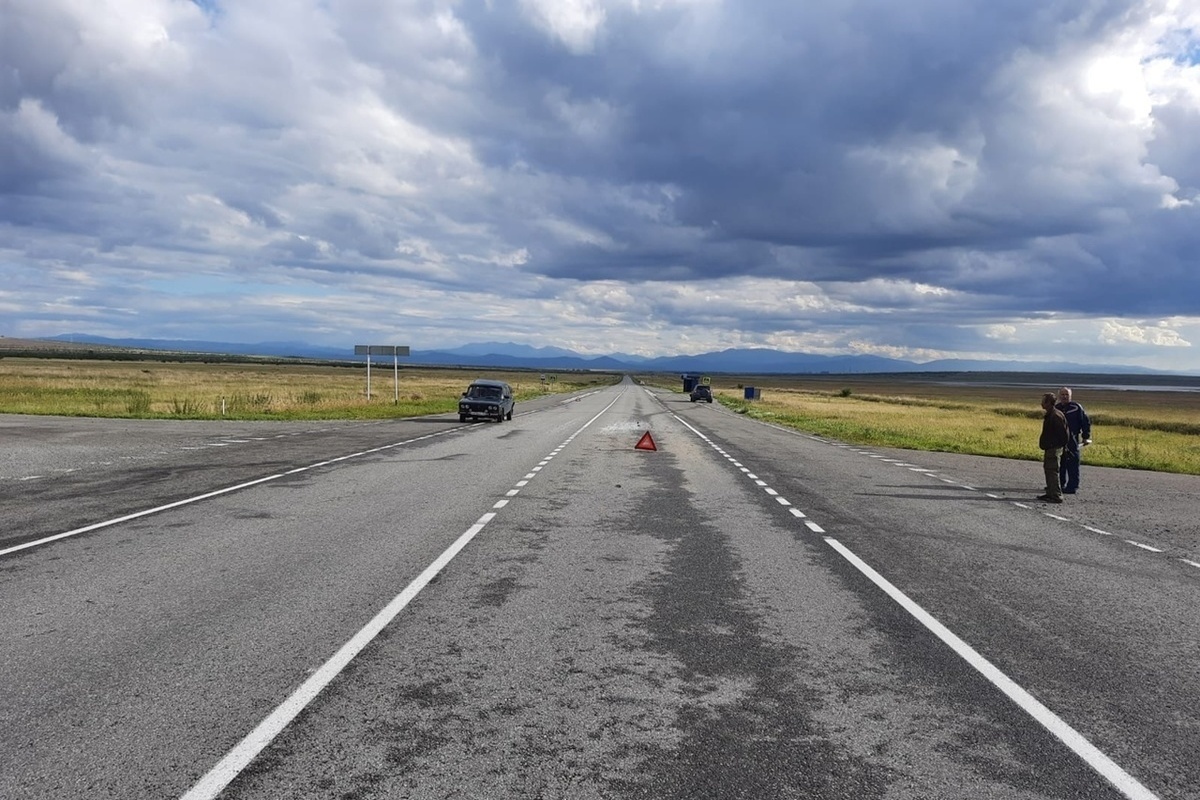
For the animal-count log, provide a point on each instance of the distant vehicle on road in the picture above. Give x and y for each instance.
(701, 393)
(488, 399)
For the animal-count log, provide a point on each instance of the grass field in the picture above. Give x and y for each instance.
(166, 390)
(1149, 430)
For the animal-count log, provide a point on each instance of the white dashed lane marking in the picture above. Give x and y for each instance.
(933, 473)
(1042, 715)
(901, 464)
(243, 753)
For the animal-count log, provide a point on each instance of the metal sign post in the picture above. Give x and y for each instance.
(393, 350)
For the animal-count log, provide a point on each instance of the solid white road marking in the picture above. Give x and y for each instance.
(237, 759)
(1106, 767)
(136, 515)
(244, 752)
(216, 493)
(1115, 775)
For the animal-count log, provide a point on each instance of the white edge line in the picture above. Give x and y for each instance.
(138, 514)
(218, 492)
(1109, 769)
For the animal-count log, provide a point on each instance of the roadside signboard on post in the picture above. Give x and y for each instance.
(393, 350)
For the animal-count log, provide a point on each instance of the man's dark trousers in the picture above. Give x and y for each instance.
(1068, 470)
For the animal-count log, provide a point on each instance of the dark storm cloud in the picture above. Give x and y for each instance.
(783, 125)
(795, 171)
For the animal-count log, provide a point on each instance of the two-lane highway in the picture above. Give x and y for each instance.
(537, 609)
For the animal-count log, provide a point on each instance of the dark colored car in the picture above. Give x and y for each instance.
(487, 399)
(701, 393)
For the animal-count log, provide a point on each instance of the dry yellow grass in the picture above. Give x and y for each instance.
(1152, 430)
(1132, 429)
(245, 391)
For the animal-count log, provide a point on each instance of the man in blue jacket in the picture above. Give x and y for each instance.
(1081, 434)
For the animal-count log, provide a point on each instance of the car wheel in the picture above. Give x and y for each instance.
(710, 399)
(510, 412)
(462, 417)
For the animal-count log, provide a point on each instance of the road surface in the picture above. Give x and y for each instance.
(540, 609)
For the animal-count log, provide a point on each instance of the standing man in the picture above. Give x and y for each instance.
(1053, 441)
(1081, 432)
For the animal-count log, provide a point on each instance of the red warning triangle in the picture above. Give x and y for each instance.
(645, 443)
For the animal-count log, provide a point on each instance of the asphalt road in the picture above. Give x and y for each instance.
(538, 609)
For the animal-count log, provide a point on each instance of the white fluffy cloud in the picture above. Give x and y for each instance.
(1020, 180)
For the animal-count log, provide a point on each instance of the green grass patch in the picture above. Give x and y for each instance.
(1145, 432)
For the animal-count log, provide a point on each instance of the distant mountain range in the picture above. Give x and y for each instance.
(748, 361)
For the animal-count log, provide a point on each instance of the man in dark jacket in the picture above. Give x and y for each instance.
(1081, 434)
(1053, 441)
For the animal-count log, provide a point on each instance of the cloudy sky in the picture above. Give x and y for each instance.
(1010, 179)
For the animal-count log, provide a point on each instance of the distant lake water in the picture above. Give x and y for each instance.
(1123, 387)
(1078, 386)
(1039, 381)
